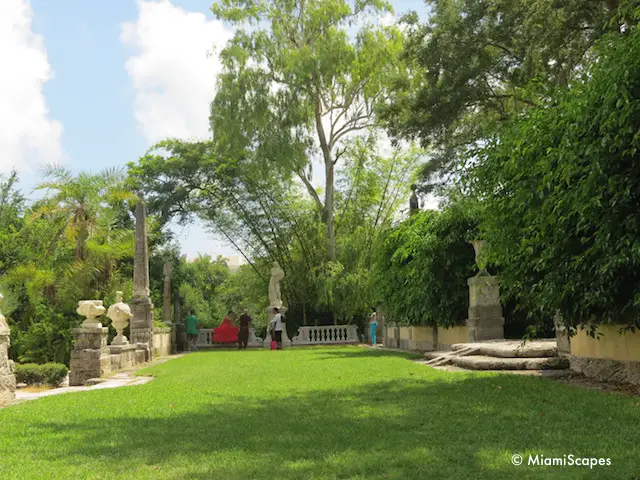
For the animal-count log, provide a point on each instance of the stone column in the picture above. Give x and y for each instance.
(166, 305)
(7, 377)
(166, 298)
(485, 320)
(178, 325)
(90, 355)
(141, 306)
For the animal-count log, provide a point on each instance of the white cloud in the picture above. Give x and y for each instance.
(28, 136)
(173, 70)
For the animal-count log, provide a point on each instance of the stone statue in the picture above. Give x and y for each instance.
(277, 274)
(4, 326)
(414, 204)
(7, 377)
(120, 314)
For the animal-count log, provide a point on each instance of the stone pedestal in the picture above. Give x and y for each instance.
(90, 356)
(562, 336)
(253, 340)
(286, 341)
(142, 321)
(7, 377)
(485, 320)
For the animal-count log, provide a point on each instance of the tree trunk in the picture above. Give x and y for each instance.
(329, 188)
(328, 210)
(80, 240)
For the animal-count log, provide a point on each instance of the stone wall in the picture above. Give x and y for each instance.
(161, 342)
(424, 338)
(449, 336)
(610, 357)
(127, 356)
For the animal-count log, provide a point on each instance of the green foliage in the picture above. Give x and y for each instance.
(52, 374)
(295, 87)
(245, 289)
(200, 288)
(561, 189)
(423, 264)
(474, 65)
(75, 243)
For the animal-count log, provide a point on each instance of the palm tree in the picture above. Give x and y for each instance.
(80, 198)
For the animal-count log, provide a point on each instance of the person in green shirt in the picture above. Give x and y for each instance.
(192, 330)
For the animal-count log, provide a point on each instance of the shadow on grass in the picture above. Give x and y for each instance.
(404, 429)
(359, 352)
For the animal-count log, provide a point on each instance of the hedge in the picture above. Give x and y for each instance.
(52, 374)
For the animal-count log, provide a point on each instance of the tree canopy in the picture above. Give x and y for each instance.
(296, 86)
(472, 66)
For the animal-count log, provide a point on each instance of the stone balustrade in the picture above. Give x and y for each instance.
(326, 335)
(205, 337)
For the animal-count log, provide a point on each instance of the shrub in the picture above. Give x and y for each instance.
(52, 374)
(28, 373)
(562, 188)
(423, 265)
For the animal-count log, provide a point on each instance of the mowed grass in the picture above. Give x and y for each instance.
(318, 413)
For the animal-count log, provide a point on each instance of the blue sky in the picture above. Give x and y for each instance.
(93, 84)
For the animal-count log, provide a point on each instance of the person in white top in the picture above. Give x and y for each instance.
(277, 325)
(373, 324)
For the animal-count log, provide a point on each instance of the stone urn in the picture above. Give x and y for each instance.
(90, 309)
(120, 314)
(478, 246)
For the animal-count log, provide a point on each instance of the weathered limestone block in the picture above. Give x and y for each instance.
(142, 321)
(485, 321)
(7, 376)
(90, 357)
(605, 370)
(423, 338)
(562, 336)
(161, 342)
(122, 356)
(141, 355)
(392, 336)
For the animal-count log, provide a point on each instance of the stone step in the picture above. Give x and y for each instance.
(512, 348)
(445, 358)
(483, 362)
(565, 372)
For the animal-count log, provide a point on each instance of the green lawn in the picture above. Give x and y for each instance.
(319, 413)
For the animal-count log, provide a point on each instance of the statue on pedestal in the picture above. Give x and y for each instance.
(120, 314)
(414, 204)
(275, 298)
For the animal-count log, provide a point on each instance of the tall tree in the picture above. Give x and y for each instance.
(296, 85)
(475, 64)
